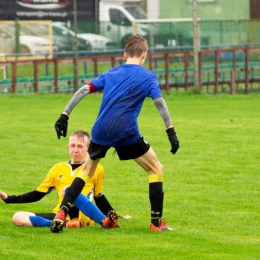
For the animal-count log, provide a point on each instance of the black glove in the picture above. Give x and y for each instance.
(173, 139)
(61, 125)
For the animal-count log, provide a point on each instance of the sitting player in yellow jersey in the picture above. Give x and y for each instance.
(59, 177)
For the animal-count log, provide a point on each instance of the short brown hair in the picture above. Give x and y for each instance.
(81, 135)
(135, 46)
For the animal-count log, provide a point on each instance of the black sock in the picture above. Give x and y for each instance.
(156, 195)
(103, 204)
(71, 194)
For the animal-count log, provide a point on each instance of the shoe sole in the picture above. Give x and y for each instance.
(167, 229)
(56, 225)
(113, 216)
(162, 229)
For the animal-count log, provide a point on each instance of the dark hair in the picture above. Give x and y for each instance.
(135, 46)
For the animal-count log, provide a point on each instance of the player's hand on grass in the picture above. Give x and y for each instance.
(61, 126)
(173, 139)
(3, 195)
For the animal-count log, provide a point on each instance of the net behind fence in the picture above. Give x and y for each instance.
(38, 37)
(33, 38)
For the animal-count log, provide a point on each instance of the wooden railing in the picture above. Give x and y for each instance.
(228, 67)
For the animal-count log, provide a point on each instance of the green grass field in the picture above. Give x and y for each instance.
(211, 184)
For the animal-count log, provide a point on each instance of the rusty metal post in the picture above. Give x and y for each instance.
(55, 75)
(95, 66)
(113, 61)
(13, 76)
(196, 43)
(76, 71)
(233, 82)
(186, 56)
(36, 76)
(200, 71)
(76, 74)
(150, 61)
(167, 65)
(216, 71)
(247, 71)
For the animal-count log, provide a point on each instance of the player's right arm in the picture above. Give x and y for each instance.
(3, 195)
(78, 96)
(28, 197)
(61, 125)
(42, 190)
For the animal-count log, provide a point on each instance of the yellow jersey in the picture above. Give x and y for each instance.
(61, 175)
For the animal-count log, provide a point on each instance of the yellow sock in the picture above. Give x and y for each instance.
(157, 177)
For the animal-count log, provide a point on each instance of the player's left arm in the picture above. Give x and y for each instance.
(164, 112)
(78, 96)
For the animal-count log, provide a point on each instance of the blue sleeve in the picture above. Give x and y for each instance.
(99, 82)
(154, 88)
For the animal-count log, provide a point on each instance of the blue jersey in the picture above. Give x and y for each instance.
(125, 88)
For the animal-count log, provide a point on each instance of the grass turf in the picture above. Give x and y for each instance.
(211, 184)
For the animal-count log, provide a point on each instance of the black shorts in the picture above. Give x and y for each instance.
(73, 213)
(132, 151)
(49, 216)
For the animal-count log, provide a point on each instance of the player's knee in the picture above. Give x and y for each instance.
(161, 167)
(158, 168)
(155, 170)
(16, 219)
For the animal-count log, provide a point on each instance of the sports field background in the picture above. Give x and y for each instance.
(211, 184)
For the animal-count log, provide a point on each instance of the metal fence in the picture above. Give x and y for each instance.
(223, 25)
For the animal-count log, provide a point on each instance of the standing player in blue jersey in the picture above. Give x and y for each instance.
(124, 90)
